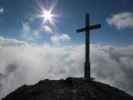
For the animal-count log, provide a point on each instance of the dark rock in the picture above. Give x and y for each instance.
(69, 89)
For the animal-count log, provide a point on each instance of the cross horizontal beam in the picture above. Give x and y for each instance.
(89, 28)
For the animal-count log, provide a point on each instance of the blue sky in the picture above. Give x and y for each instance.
(17, 13)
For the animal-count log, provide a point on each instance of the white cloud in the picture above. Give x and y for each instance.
(26, 32)
(58, 39)
(48, 29)
(55, 40)
(121, 20)
(36, 33)
(11, 42)
(27, 65)
(65, 37)
(29, 34)
(26, 27)
(1, 10)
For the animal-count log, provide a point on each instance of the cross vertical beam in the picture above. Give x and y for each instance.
(87, 28)
(87, 48)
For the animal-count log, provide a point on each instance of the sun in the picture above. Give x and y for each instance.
(47, 13)
(47, 16)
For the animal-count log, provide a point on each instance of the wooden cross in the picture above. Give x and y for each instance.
(87, 29)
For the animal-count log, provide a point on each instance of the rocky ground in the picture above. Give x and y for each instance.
(69, 89)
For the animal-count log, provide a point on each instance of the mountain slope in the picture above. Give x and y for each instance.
(69, 89)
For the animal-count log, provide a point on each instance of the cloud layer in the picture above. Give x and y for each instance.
(121, 20)
(4, 42)
(26, 64)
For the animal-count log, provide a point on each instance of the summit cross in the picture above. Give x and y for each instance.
(86, 29)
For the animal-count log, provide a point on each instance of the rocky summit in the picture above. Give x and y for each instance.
(69, 89)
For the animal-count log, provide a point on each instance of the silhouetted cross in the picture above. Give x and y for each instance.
(87, 29)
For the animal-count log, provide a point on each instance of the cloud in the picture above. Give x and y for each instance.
(26, 27)
(36, 33)
(121, 20)
(58, 39)
(32, 35)
(1, 10)
(55, 40)
(28, 33)
(48, 29)
(65, 37)
(27, 65)
(10, 42)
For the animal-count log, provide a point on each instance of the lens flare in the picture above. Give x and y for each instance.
(47, 16)
(46, 13)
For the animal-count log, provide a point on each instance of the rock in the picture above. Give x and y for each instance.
(69, 89)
